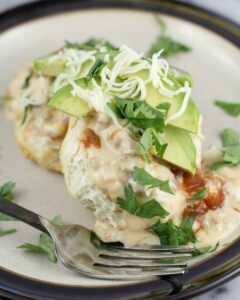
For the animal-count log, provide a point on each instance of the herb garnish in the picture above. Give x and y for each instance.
(96, 68)
(143, 178)
(165, 42)
(139, 113)
(204, 250)
(45, 245)
(200, 195)
(147, 210)
(91, 44)
(7, 194)
(173, 235)
(26, 82)
(231, 108)
(231, 149)
(152, 139)
(26, 109)
(6, 232)
(99, 244)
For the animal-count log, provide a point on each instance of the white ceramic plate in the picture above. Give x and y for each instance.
(213, 62)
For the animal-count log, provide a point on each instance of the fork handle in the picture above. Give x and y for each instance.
(13, 210)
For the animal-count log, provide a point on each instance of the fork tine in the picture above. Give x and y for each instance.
(137, 270)
(141, 264)
(148, 256)
(152, 248)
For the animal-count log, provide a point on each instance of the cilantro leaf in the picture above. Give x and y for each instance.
(200, 195)
(143, 178)
(6, 232)
(6, 190)
(129, 202)
(152, 139)
(169, 45)
(151, 209)
(219, 164)
(26, 109)
(173, 235)
(91, 44)
(6, 193)
(231, 108)
(45, 245)
(231, 151)
(99, 244)
(204, 250)
(165, 42)
(230, 137)
(96, 68)
(26, 82)
(146, 210)
(139, 113)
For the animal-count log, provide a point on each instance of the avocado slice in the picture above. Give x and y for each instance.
(48, 68)
(181, 150)
(63, 100)
(190, 118)
(181, 76)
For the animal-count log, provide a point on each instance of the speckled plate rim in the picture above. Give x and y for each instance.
(206, 275)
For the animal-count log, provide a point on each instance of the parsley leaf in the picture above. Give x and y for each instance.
(96, 68)
(204, 250)
(143, 178)
(231, 151)
(6, 193)
(45, 245)
(231, 108)
(173, 235)
(6, 232)
(91, 44)
(200, 195)
(6, 190)
(150, 139)
(139, 113)
(165, 42)
(26, 82)
(146, 210)
(99, 244)
(26, 109)
(220, 164)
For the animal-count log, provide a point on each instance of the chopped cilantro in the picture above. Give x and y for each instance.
(96, 68)
(152, 139)
(6, 190)
(26, 82)
(147, 210)
(99, 244)
(91, 44)
(204, 250)
(45, 245)
(231, 108)
(26, 109)
(231, 149)
(6, 232)
(139, 113)
(173, 235)
(165, 42)
(143, 178)
(7, 194)
(200, 195)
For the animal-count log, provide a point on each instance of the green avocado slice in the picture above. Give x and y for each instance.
(48, 68)
(63, 100)
(181, 150)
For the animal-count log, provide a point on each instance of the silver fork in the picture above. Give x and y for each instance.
(77, 252)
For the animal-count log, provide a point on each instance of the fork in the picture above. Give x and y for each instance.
(76, 251)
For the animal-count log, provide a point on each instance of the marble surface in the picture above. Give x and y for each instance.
(230, 9)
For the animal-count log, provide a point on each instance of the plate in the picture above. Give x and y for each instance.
(214, 63)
